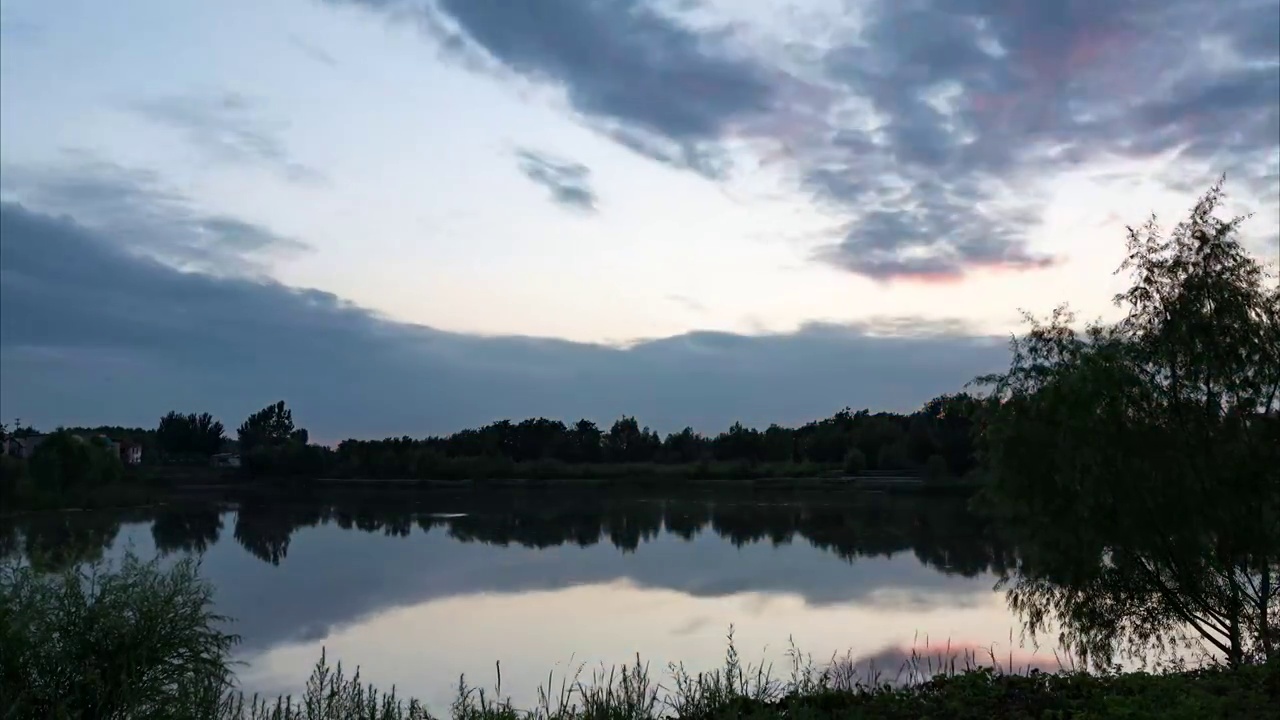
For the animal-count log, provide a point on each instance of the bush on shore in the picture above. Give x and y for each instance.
(139, 640)
(133, 640)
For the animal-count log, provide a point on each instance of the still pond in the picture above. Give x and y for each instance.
(418, 588)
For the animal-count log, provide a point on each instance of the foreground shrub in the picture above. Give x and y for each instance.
(130, 641)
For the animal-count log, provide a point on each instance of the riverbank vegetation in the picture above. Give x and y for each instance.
(139, 640)
(70, 469)
(934, 442)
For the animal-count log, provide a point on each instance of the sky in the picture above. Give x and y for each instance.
(412, 216)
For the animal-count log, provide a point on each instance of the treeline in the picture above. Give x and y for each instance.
(64, 467)
(62, 462)
(936, 441)
(938, 437)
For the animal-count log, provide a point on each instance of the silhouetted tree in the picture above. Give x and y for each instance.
(627, 442)
(191, 434)
(1152, 444)
(587, 442)
(271, 426)
(685, 446)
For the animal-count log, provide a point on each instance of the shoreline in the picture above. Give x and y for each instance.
(158, 485)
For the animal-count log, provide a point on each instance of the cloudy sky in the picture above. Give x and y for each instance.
(408, 216)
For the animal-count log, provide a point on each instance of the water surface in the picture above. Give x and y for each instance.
(420, 587)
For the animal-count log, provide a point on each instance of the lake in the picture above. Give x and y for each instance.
(419, 587)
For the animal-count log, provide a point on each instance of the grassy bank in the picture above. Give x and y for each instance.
(137, 640)
(733, 693)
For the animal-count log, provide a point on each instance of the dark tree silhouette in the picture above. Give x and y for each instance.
(272, 426)
(191, 434)
(1151, 443)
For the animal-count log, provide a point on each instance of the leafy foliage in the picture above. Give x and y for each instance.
(1143, 456)
(13, 475)
(128, 641)
(190, 434)
(882, 441)
(65, 460)
(270, 445)
(270, 427)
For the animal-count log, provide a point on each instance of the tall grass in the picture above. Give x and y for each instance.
(142, 641)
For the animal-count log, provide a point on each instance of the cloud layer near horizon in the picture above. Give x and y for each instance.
(926, 130)
(94, 330)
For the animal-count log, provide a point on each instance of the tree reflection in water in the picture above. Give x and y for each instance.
(941, 532)
(187, 527)
(55, 541)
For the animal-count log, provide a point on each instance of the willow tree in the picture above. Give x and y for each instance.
(1141, 460)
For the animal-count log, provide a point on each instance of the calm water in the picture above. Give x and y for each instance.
(420, 588)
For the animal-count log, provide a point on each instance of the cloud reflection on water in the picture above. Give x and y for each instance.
(417, 589)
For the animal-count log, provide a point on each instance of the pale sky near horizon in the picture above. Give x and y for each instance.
(604, 172)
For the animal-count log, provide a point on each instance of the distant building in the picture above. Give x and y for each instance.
(130, 453)
(24, 447)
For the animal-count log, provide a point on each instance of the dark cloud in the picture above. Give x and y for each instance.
(228, 127)
(92, 332)
(1036, 88)
(658, 87)
(138, 211)
(933, 128)
(619, 60)
(569, 182)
